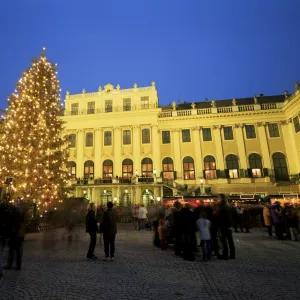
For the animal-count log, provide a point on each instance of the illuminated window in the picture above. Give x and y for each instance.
(71, 166)
(188, 168)
(107, 169)
(127, 168)
(210, 167)
(168, 168)
(88, 169)
(147, 167)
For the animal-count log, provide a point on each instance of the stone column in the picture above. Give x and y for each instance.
(177, 154)
(117, 139)
(156, 150)
(292, 157)
(219, 146)
(241, 146)
(261, 128)
(79, 154)
(136, 139)
(98, 147)
(198, 154)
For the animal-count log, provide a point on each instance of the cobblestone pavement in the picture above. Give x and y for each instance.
(55, 268)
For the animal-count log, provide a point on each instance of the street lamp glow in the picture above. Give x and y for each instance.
(115, 198)
(126, 191)
(104, 191)
(158, 198)
(201, 180)
(154, 171)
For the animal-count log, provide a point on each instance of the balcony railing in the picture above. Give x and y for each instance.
(119, 180)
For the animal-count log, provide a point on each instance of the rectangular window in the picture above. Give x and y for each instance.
(74, 109)
(296, 124)
(126, 137)
(127, 104)
(72, 140)
(108, 106)
(145, 136)
(273, 130)
(233, 173)
(91, 107)
(89, 139)
(210, 174)
(256, 173)
(228, 133)
(145, 102)
(186, 135)
(107, 138)
(250, 132)
(166, 137)
(206, 134)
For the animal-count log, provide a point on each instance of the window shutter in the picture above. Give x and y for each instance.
(175, 175)
(265, 172)
(250, 173)
(204, 174)
(226, 173)
(218, 174)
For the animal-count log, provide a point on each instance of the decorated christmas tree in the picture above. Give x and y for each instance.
(33, 150)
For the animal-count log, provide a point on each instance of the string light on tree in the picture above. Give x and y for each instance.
(33, 150)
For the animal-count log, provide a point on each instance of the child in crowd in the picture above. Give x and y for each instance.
(162, 233)
(204, 225)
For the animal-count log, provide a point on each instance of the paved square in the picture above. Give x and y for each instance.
(55, 268)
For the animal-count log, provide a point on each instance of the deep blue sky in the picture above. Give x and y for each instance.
(193, 49)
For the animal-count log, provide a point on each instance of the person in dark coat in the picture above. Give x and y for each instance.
(177, 230)
(224, 219)
(91, 228)
(277, 215)
(188, 228)
(108, 227)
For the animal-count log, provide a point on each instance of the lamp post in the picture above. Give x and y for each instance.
(201, 187)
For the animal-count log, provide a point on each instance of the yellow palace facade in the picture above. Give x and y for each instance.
(126, 148)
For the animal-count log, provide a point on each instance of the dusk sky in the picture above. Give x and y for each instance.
(193, 49)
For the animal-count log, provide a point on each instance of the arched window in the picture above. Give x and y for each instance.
(127, 168)
(89, 170)
(188, 168)
(210, 167)
(255, 165)
(280, 167)
(107, 169)
(89, 139)
(72, 140)
(168, 168)
(232, 163)
(71, 166)
(147, 167)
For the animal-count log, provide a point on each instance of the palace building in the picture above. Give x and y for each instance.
(127, 148)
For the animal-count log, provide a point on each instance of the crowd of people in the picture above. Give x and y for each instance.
(214, 224)
(285, 220)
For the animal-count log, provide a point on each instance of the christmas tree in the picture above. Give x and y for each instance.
(33, 150)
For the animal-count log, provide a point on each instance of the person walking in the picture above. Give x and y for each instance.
(108, 227)
(142, 217)
(267, 218)
(204, 226)
(278, 219)
(91, 228)
(224, 219)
